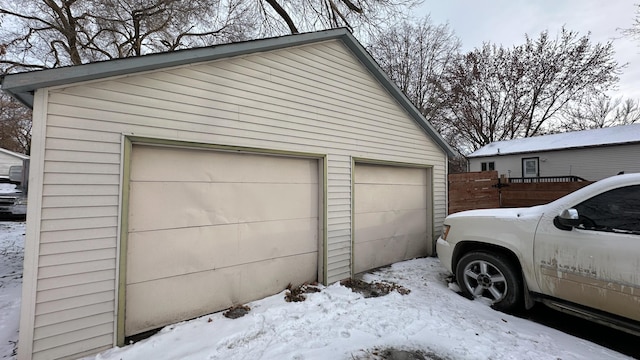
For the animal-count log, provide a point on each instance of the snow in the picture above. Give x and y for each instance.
(334, 323)
(11, 256)
(596, 137)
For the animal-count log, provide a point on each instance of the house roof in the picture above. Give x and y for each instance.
(616, 135)
(23, 85)
(15, 154)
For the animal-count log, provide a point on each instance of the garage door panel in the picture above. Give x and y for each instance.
(418, 245)
(380, 197)
(371, 174)
(151, 165)
(391, 215)
(185, 251)
(178, 205)
(185, 297)
(381, 252)
(381, 225)
(209, 229)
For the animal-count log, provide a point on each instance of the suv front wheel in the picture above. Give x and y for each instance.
(490, 275)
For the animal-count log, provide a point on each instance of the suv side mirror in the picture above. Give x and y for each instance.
(567, 220)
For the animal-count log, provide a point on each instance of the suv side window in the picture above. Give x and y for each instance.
(616, 210)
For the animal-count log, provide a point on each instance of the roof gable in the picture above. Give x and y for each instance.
(616, 135)
(23, 85)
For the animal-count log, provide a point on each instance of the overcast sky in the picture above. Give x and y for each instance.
(507, 21)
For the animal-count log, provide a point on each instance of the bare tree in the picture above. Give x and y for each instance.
(415, 56)
(38, 34)
(132, 28)
(496, 93)
(51, 33)
(15, 125)
(634, 30)
(600, 112)
(294, 16)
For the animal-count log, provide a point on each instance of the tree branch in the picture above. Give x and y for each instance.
(284, 15)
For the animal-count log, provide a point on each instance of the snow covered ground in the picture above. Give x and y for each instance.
(11, 256)
(335, 323)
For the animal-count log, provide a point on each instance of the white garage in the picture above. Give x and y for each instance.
(211, 229)
(169, 186)
(392, 215)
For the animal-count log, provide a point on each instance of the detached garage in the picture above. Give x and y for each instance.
(170, 186)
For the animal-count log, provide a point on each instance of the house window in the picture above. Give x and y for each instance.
(488, 166)
(530, 167)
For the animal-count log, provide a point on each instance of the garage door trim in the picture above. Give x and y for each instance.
(127, 144)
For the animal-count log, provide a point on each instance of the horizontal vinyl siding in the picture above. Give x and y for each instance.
(595, 163)
(75, 299)
(591, 163)
(338, 217)
(314, 99)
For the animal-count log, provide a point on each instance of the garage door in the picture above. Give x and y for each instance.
(210, 229)
(392, 216)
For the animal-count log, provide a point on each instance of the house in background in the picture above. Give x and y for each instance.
(169, 186)
(590, 154)
(9, 159)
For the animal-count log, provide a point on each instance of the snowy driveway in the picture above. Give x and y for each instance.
(334, 323)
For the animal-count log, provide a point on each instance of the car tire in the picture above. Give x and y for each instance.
(490, 275)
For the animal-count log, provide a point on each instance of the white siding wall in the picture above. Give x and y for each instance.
(592, 164)
(315, 99)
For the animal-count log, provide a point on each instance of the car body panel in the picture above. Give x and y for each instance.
(597, 269)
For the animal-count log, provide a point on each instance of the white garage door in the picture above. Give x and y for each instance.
(210, 229)
(392, 216)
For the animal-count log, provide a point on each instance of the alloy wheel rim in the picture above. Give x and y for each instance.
(483, 279)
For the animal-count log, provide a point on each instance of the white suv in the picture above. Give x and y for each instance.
(579, 254)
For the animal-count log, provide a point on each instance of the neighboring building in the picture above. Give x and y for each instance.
(9, 159)
(169, 186)
(589, 154)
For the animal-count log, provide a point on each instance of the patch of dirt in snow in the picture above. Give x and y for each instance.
(296, 293)
(396, 354)
(236, 311)
(374, 289)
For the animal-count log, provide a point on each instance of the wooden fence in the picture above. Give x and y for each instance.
(473, 190)
(530, 194)
(485, 190)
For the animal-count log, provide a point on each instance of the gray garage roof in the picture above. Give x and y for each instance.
(23, 85)
(616, 135)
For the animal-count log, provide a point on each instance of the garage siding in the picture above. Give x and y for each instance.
(316, 98)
